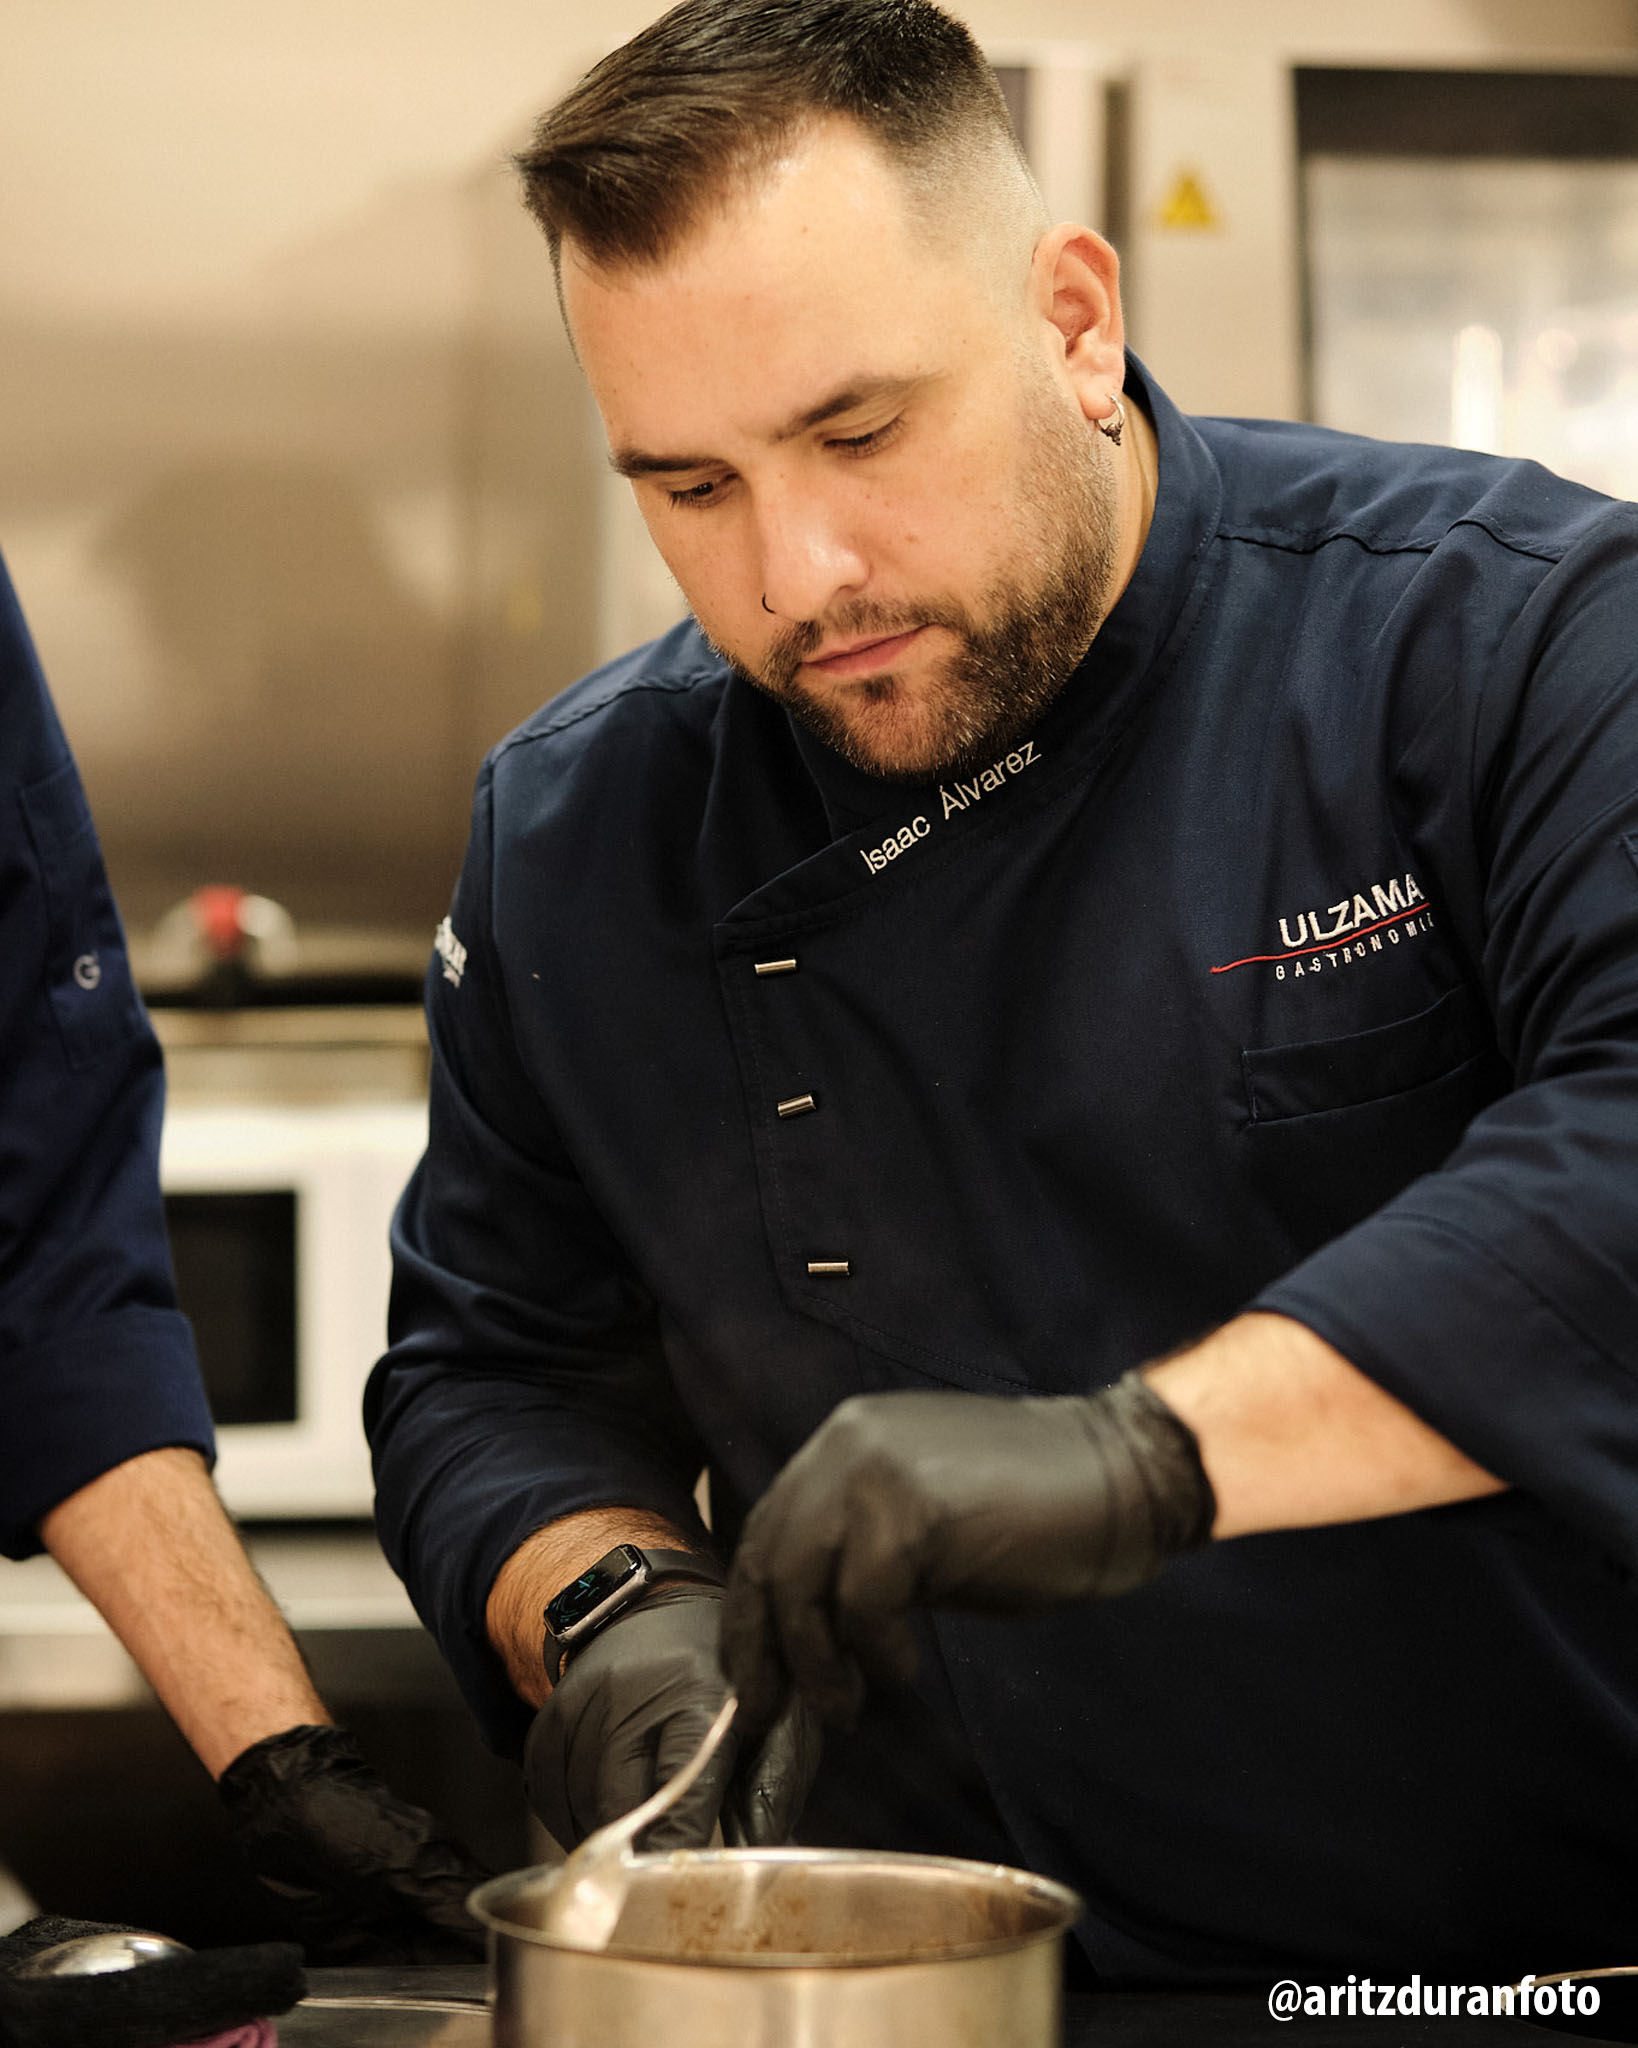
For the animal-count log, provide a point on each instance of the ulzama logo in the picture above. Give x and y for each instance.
(1358, 925)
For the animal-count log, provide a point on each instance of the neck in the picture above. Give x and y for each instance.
(1137, 465)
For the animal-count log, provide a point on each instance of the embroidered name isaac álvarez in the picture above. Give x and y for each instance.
(953, 797)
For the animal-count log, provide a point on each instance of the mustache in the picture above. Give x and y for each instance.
(857, 619)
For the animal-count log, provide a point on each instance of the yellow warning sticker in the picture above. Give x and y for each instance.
(1188, 207)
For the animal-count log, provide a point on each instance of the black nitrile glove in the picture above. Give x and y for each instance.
(631, 1709)
(1000, 1505)
(363, 1876)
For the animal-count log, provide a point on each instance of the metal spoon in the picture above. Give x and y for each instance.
(95, 1955)
(585, 1903)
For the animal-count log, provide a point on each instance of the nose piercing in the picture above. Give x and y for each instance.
(1113, 421)
(768, 608)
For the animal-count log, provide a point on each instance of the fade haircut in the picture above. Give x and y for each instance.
(699, 102)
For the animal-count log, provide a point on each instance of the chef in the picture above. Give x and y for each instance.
(1074, 1038)
(105, 1455)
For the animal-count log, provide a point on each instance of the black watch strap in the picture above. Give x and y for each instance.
(683, 1564)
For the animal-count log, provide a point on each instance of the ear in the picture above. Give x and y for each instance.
(1075, 290)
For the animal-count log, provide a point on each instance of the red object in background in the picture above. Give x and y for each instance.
(218, 911)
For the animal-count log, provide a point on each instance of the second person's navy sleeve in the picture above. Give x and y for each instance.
(96, 1362)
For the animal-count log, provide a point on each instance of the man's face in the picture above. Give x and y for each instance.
(861, 458)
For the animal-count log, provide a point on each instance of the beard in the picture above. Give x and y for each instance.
(1017, 646)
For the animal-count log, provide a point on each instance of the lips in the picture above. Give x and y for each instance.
(864, 657)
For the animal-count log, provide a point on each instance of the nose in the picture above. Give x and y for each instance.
(810, 557)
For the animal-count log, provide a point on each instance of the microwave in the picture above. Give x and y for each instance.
(280, 1176)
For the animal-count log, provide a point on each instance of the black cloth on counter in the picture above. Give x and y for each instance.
(156, 2005)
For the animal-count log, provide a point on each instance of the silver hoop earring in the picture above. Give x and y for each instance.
(1112, 422)
(768, 608)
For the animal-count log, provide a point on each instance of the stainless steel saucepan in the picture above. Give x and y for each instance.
(787, 1948)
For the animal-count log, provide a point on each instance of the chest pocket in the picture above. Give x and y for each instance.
(1325, 1074)
(88, 977)
(1337, 1126)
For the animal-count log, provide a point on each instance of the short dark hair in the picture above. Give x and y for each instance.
(626, 162)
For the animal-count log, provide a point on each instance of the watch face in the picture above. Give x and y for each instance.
(582, 1597)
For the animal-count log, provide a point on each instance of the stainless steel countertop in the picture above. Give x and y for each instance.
(1091, 2020)
(407, 2008)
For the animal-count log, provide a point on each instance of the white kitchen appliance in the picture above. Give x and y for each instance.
(288, 1138)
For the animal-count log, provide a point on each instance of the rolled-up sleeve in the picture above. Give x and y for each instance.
(525, 1379)
(96, 1362)
(1498, 1297)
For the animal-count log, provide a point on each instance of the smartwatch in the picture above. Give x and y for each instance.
(607, 1588)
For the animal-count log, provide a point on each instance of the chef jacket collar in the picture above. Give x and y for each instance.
(1130, 642)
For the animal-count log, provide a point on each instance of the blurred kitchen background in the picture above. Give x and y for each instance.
(306, 506)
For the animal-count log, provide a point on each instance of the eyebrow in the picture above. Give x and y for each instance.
(635, 462)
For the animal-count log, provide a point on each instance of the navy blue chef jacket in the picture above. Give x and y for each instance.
(96, 1362)
(1292, 963)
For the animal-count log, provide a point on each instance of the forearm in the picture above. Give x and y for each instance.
(542, 1566)
(151, 1547)
(1293, 1436)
